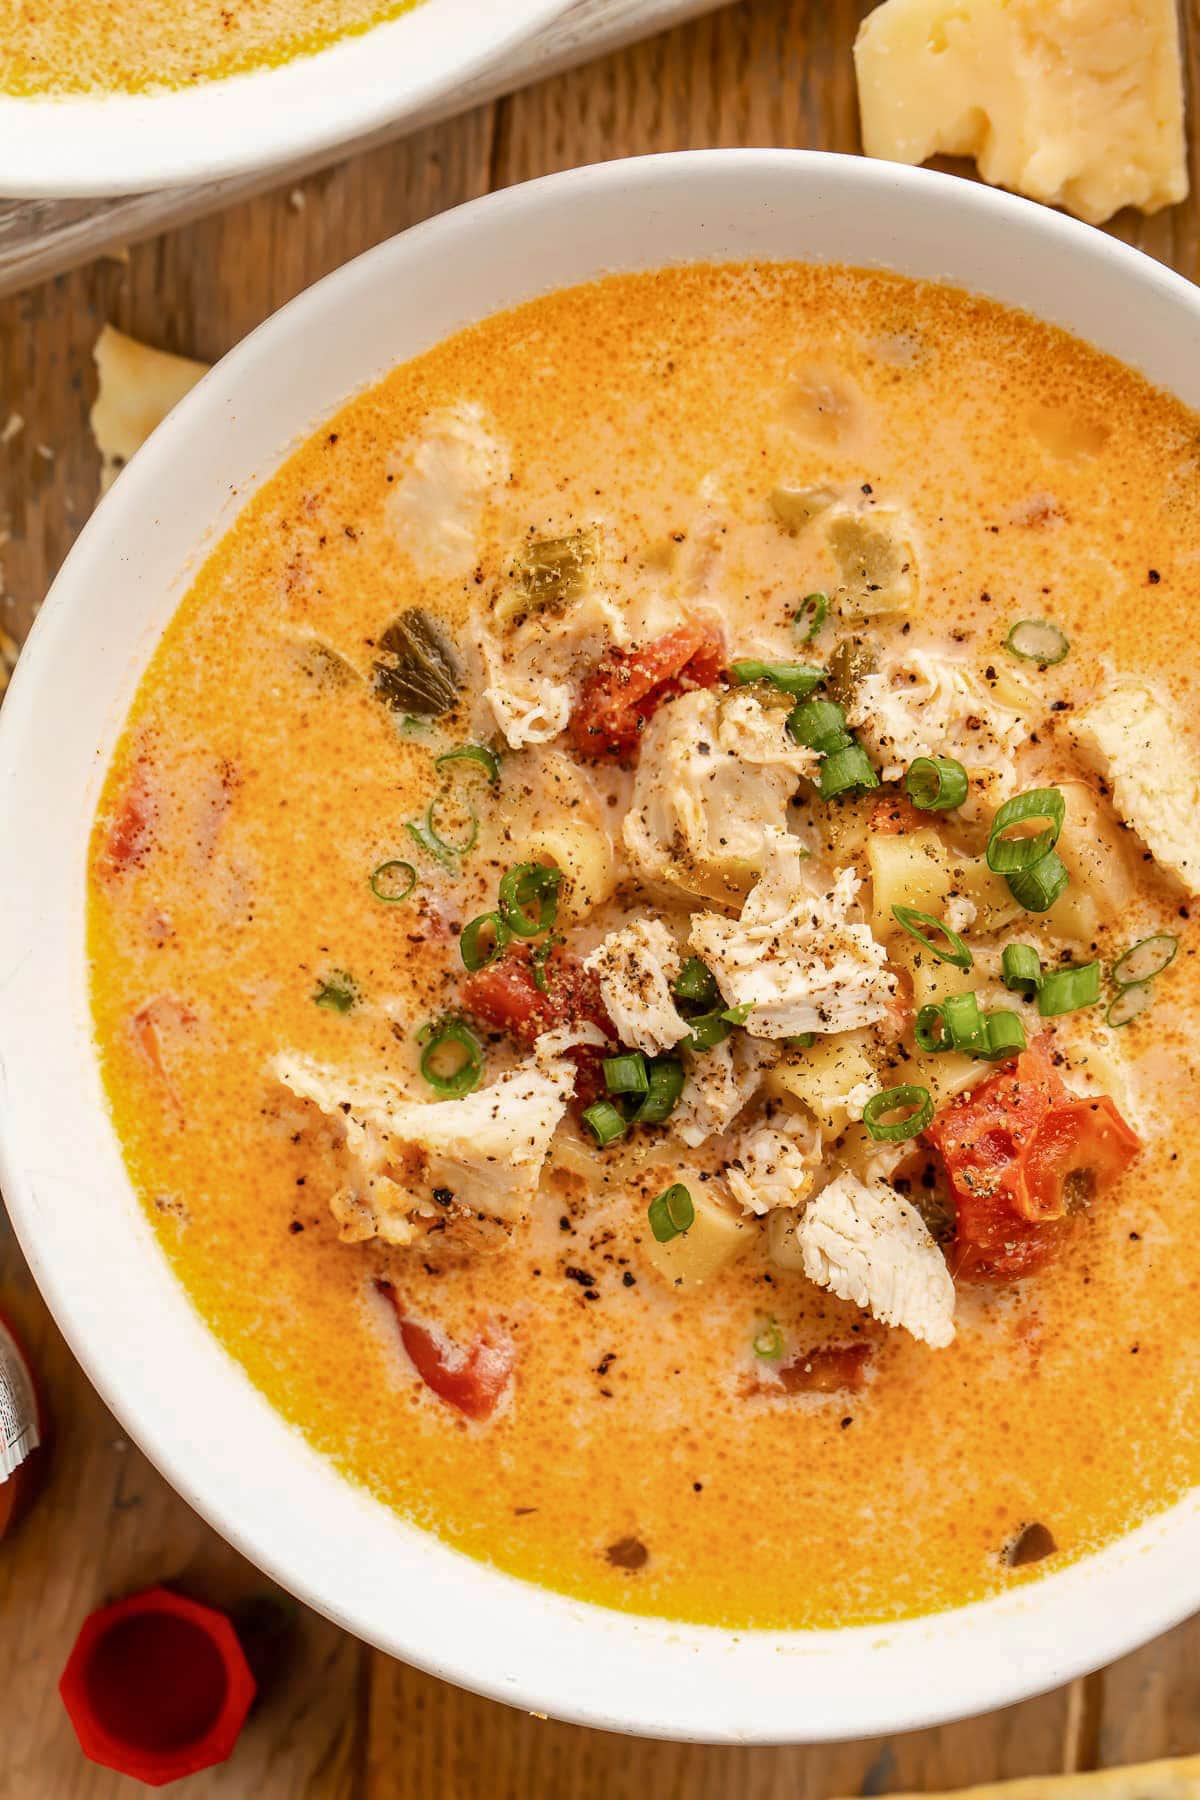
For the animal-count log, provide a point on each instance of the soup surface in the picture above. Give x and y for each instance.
(503, 1113)
(72, 46)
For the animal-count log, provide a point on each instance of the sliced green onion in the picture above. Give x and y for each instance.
(1005, 1036)
(1145, 959)
(671, 1213)
(931, 1031)
(1010, 856)
(910, 917)
(338, 992)
(803, 1040)
(790, 678)
(473, 951)
(1129, 1003)
(626, 1074)
(767, 1343)
(419, 831)
(915, 1103)
(445, 843)
(393, 881)
(1021, 969)
(1067, 990)
(737, 1015)
(965, 1022)
(604, 1122)
(524, 885)
(813, 720)
(814, 607)
(450, 1039)
(1038, 888)
(666, 1085)
(707, 1031)
(1037, 640)
(695, 982)
(539, 957)
(936, 783)
(487, 759)
(830, 742)
(846, 771)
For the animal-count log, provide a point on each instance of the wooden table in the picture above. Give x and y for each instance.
(337, 1720)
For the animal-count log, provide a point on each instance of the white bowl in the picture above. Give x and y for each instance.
(127, 1319)
(77, 144)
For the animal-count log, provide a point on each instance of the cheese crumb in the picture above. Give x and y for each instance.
(1078, 104)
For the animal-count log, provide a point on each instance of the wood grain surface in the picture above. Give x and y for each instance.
(338, 1722)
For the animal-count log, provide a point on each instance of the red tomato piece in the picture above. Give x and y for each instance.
(506, 997)
(830, 1369)
(131, 830)
(626, 688)
(1017, 1150)
(472, 1380)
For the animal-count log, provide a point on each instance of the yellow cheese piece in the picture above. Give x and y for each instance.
(1078, 103)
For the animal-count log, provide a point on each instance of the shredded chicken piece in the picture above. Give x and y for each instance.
(771, 1169)
(918, 704)
(636, 966)
(1132, 740)
(719, 1084)
(417, 1163)
(441, 479)
(868, 1246)
(795, 958)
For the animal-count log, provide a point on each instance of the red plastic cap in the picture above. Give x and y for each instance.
(157, 1687)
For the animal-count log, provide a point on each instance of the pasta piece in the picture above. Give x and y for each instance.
(876, 561)
(137, 388)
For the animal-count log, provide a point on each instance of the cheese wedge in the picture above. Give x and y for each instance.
(1078, 104)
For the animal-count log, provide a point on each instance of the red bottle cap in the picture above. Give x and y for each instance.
(157, 1687)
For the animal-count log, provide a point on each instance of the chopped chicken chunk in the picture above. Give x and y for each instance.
(719, 1083)
(416, 1163)
(636, 967)
(1130, 738)
(441, 479)
(870, 1247)
(923, 705)
(795, 957)
(714, 779)
(773, 1169)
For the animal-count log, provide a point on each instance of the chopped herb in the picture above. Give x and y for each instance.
(338, 991)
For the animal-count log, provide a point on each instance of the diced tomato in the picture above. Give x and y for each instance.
(473, 1380)
(627, 687)
(895, 816)
(1018, 1150)
(830, 1369)
(506, 997)
(131, 831)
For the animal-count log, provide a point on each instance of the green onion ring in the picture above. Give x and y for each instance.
(1069, 990)
(604, 1122)
(818, 604)
(910, 917)
(931, 1031)
(445, 843)
(466, 1077)
(965, 1022)
(522, 884)
(1145, 959)
(707, 1030)
(813, 720)
(695, 982)
(486, 759)
(666, 1085)
(384, 869)
(1038, 888)
(936, 783)
(626, 1074)
(798, 679)
(1011, 856)
(1129, 1004)
(474, 958)
(418, 830)
(1021, 969)
(767, 1343)
(892, 1100)
(671, 1213)
(846, 771)
(1005, 1036)
(1037, 640)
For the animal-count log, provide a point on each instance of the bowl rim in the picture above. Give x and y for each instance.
(93, 145)
(527, 1646)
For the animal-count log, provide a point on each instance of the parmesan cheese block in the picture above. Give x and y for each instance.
(1078, 104)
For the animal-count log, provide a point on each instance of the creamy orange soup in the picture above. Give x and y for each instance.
(71, 46)
(789, 1349)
